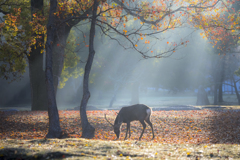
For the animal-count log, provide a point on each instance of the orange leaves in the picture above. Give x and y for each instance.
(196, 126)
(125, 31)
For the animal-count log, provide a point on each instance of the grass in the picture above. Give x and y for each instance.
(75, 148)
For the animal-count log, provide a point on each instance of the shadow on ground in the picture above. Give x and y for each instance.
(18, 153)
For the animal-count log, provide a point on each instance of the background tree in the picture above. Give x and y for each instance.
(36, 58)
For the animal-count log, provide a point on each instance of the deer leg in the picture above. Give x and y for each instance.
(150, 124)
(128, 128)
(129, 131)
(144, 126)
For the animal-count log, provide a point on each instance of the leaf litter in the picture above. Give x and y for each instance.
(195, 134)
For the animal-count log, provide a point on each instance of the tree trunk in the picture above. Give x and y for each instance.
(87, 129)
(59, 44)
(202, 98)
(135, 93)
(37, 81)
(221, 79)
(236, 90)
(54, 130)
(36, 72)
(220, 93)
(215, 93)
(113, 99)
(116, 89)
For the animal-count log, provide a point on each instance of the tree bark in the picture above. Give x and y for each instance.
(113, 99)
(87, 129)
(202, 98)
(54, 130)
(37, 81)
(59, 44)
(36, 72)
(236, 90)
(215, 93)
(220, 92)
(221, 79)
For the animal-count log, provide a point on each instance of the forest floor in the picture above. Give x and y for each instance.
(204, 133)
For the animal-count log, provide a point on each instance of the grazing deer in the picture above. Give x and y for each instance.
(128, 114)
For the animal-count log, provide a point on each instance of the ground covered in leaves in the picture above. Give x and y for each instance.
(178, 134)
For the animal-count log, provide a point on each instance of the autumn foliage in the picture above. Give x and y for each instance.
(196, 126)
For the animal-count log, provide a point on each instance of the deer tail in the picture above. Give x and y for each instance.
(149, 111)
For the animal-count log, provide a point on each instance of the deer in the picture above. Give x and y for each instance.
(137, 112)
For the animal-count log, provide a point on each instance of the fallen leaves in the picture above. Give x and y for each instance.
(178, 127)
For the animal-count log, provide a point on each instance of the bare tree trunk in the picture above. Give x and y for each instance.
(116, 89)
(221, 79)
(236, 90)
(202, 98)
(220, 93)
(59, 44)
(113, 99)
(36, 72)
(54, 130)
(37, 81)
(87, 129)
(215, 93)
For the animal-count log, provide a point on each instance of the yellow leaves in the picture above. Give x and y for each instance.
(125, 17)
(153, 27)
(124, 31)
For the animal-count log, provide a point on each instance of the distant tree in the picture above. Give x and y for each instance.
(202, 98)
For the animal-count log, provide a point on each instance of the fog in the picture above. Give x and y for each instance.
(121, 77)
